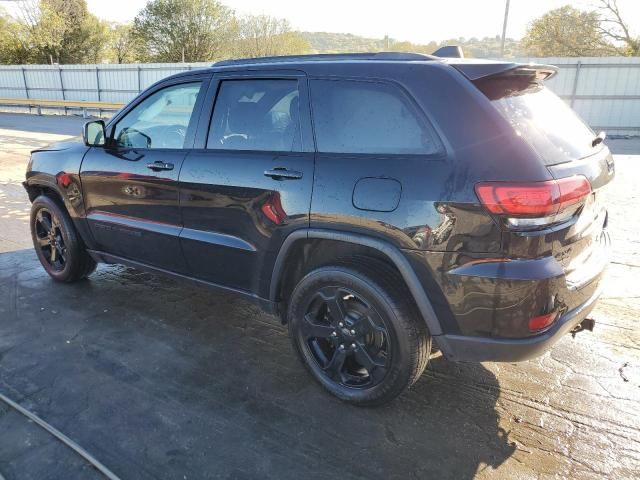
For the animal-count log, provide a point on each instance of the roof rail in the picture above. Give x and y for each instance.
(394, 56)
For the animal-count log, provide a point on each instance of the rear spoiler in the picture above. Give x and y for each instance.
(477, 70)
(514, 80)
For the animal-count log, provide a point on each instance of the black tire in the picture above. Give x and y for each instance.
(363, 286)
(57, 243)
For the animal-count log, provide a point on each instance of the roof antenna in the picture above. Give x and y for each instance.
(450, 51)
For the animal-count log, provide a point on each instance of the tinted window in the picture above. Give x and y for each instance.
(367, 117)
(159, 121)
(256, 115)
(548, 124)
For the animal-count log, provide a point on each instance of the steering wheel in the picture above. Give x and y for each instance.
(124, 138)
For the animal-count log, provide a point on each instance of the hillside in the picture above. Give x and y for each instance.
(325, 42)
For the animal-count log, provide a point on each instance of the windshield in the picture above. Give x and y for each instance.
(548, 124)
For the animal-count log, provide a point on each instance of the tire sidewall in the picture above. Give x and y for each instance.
(68, 235)
(379, 300)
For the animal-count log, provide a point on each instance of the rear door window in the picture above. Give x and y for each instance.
(548, 124)
(256, 115)
(352, 116)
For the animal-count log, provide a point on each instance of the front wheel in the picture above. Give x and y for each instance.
(358, 332)
(57, 244)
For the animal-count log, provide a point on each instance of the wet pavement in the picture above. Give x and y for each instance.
(160, 379)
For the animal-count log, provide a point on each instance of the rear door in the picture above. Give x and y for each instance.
(130, 185)
(248, 184)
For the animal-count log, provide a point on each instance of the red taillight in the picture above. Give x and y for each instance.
(533, 199)
(541, 322)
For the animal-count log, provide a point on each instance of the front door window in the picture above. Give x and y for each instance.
(159, 121)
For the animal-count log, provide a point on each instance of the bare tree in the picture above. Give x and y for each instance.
(613, 26)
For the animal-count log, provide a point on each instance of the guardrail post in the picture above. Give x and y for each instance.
(575, 84)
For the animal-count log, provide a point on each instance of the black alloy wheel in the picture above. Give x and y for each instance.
(346, 337)
(57, 243)
(357, 331)
(49, 239)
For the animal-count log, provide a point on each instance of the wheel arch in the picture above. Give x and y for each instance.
(46, 184)
(384, 249)
(36, 188)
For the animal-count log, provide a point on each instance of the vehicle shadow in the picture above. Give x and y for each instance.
(163, 379)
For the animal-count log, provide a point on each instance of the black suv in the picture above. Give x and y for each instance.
(376, 202)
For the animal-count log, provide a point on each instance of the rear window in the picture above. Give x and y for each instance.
(353, 116)
(548, 124)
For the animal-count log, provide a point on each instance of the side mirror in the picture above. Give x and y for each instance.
(93, 133)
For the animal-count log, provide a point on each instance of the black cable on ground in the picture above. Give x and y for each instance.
(62, 437)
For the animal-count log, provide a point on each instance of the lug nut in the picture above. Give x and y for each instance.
(340, 324)
(341, 346)
(353, 332)
(334, 334)
(353, 345)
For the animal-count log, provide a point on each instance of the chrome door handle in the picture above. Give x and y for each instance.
(157, 166)
(283, 174)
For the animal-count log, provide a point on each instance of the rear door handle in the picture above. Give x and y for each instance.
(279, 173)
(157, 166)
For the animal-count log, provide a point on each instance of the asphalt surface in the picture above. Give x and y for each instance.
(160, 379)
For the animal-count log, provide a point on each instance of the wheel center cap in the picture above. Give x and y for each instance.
(345, 332)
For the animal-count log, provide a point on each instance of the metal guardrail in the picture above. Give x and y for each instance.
(62, 104)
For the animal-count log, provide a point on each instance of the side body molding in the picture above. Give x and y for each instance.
(391, 252)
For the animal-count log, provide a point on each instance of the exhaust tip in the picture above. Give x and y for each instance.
(585, 324)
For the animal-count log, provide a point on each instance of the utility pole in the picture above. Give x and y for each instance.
(504, 28)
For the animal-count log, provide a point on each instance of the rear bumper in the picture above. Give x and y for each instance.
(479, 349)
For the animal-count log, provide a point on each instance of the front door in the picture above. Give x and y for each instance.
(249, 185)
(130, 186)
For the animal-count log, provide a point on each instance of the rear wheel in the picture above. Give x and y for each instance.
(57, 243)
(358, 333)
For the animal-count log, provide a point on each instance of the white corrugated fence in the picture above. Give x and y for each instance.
(605, 91)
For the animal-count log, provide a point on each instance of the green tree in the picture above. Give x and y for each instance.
(263, 36)
(123, 45)
(189, 30)
(61, 31)
(14, 47)
(566, 32)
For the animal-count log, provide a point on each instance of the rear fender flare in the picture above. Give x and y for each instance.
(392, 253)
